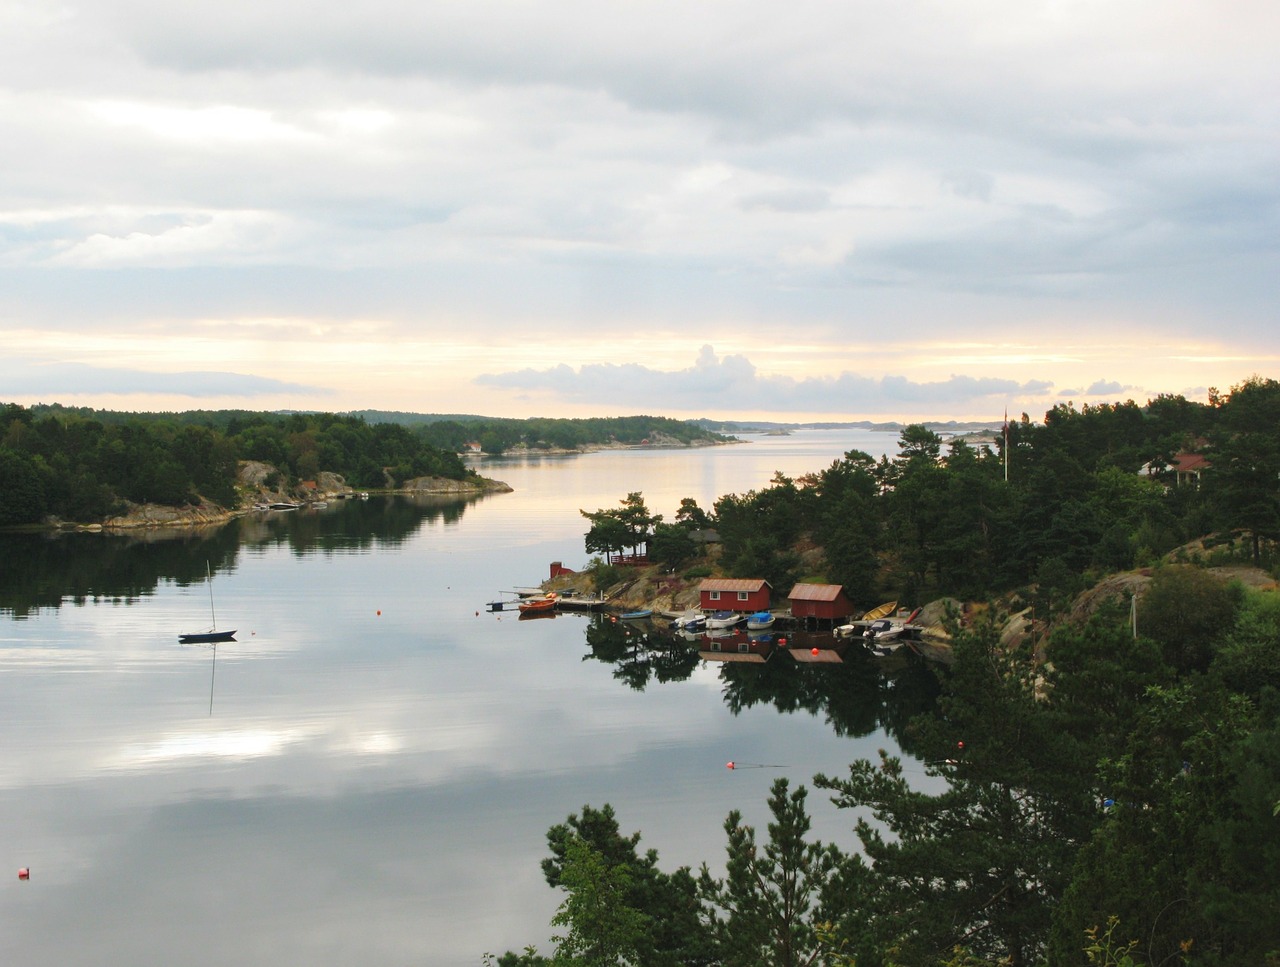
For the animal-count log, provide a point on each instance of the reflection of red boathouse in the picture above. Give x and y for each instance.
(739, 646)
(828, 654)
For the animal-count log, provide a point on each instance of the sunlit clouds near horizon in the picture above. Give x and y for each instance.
(860, 211)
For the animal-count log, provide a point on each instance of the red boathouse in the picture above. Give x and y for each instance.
(820, 602)
(734, 594)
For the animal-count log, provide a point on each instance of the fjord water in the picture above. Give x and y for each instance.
(366, 775)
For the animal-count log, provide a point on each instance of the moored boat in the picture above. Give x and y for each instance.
(206, 637)
(213, 635)
(760, 621)
(723, 619)
(689, 621)
(538, 605)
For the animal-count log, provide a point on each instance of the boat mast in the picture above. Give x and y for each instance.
(209, 580)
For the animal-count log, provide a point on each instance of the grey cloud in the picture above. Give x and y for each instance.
(792, 200)
(733, 383)
(1105, 387)
(970, 184)
(56, 379)
(1101, 387)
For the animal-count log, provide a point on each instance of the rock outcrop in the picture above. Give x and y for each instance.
(445, 485)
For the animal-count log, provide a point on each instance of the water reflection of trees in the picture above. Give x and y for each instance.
(46, 570)
(855, 695)
(355, 524)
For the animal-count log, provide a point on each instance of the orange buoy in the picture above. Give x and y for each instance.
(379, 612)
(24, 874)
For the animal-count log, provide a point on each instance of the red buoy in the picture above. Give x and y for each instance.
(24, 874)
(728, 765)
(815, 652)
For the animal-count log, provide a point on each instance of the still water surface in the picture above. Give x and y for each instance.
(368, 772)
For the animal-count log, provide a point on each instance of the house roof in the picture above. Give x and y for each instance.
(732, 584)
(816, 592)
(1189, 462)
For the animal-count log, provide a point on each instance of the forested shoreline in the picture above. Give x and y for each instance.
(83, 465)
(1112, 787)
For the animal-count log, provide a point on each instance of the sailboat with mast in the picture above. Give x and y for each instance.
(213, 634)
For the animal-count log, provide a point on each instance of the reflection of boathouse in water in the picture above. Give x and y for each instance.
(740, 647)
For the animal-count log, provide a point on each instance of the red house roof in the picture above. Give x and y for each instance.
(733, 585)
(815, 592)
(1189, 463)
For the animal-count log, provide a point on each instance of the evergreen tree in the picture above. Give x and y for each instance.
(979, 865)
(767, 901)
(673, 936)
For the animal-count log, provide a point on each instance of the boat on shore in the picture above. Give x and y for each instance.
(859, 628)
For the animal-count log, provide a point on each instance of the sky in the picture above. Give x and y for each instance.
(871, 209)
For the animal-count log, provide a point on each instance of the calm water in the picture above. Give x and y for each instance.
(368, 773)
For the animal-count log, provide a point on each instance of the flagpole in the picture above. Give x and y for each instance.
(1006, 444)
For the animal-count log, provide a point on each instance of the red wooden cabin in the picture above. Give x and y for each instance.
(734, 594)
(823, 602)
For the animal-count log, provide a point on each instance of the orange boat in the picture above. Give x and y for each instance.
(538, 605)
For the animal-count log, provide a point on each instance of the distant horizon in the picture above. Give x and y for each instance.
(740, 423)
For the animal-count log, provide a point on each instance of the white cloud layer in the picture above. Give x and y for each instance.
(807, 185)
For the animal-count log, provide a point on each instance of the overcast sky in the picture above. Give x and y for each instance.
(842, 210)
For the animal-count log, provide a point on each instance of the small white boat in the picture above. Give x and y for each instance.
(723, 619)
(690, 621)
(760, 621)
(883, 630)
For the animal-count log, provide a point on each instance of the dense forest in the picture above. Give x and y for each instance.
(79, 464)
(82, 467)
(1112, 786)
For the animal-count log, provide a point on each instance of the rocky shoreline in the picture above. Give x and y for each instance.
(255, 491)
